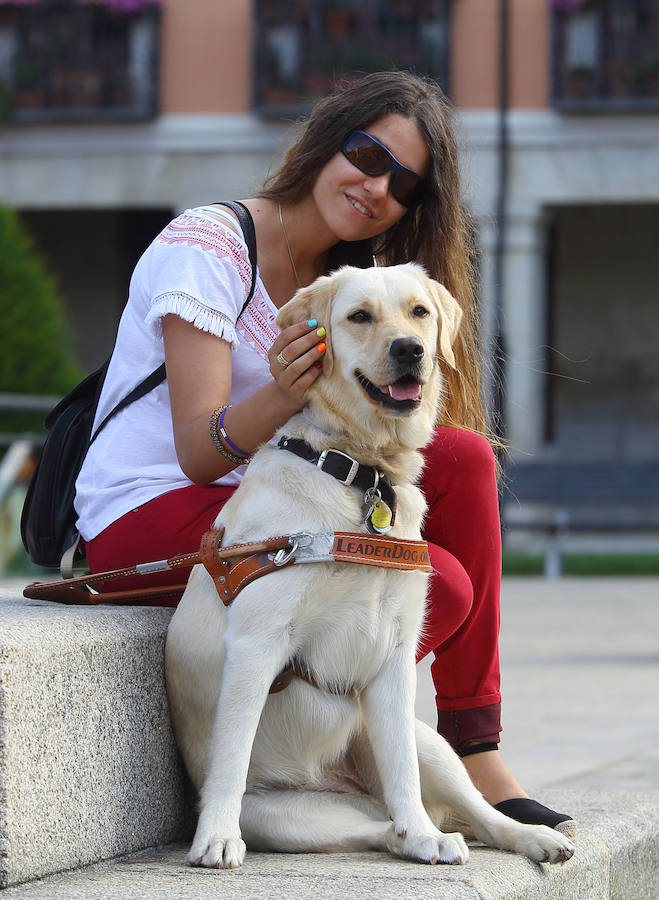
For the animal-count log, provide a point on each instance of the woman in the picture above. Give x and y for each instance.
(374, 172)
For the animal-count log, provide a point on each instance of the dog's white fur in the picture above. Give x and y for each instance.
(329, 768)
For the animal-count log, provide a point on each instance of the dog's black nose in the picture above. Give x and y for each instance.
(406, 350)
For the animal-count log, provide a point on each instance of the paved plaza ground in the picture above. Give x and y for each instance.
(580, 681)
(580, 663)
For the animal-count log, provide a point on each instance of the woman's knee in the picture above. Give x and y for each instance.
(451, 592)
(449, 601)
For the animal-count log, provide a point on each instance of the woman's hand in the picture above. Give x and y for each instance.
(296, 360)
(199, 380)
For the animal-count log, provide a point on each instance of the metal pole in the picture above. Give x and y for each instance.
(499, 344)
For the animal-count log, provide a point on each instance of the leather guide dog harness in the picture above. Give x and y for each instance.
(232, 567)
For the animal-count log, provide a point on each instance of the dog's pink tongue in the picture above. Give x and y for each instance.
(406, 391)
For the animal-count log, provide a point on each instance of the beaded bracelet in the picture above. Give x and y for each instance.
(240, 460)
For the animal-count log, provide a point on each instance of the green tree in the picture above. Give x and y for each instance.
(36, 354)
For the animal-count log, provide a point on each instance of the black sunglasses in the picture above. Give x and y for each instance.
(372, 158)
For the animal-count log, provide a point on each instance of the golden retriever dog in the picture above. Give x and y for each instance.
(336, 760)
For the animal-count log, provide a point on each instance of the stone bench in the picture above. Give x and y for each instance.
(88, 764)
(617, 857)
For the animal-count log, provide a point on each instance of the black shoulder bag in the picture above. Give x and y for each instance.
(48, 519)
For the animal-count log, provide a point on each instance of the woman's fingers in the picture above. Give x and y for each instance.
(299, 346)
(311, 361)
(296, 358)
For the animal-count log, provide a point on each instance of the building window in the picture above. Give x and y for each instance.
(606, 54)
(78, 60)
(304, 47)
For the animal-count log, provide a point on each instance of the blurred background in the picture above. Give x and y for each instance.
(115, 115)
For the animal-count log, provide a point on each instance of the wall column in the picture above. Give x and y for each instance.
(523, 324)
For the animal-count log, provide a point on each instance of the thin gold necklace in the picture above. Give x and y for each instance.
(288, 247)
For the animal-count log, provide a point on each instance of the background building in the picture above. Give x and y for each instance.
(119, 113)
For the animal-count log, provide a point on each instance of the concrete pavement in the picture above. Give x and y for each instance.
(580, 682)
(580, 660)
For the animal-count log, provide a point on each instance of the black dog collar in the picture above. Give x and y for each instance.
(345, 469)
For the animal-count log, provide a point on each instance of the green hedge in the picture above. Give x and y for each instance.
(592, 564)
(36, 354)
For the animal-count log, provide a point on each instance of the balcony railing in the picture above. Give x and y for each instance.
(78, 60)
(303, 47)
(605, 55)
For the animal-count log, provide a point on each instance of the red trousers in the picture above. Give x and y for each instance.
(463, 532)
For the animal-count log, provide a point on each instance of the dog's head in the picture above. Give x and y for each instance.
(386, 327)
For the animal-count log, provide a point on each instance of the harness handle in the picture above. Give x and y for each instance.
(79, 590)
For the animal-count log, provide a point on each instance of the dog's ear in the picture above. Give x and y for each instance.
(308, 303)
(312, 302)
(450, 315)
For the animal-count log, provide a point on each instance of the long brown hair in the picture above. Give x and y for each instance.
(437, 233)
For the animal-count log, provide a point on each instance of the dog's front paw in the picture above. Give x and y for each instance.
(543, 844)
(216, 852)
(432, 847)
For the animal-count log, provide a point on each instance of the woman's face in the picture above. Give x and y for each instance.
(354, 205)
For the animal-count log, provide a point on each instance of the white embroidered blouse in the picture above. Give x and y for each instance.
(197, 268)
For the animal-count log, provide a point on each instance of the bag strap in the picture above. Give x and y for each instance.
(70, 556)
(153, 380)
(246, 221)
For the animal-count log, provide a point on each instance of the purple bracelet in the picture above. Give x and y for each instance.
(226, 437)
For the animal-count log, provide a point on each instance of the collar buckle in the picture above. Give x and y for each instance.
(352, 471)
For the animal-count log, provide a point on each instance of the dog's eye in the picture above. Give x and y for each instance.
(360, 316)
(420, 312)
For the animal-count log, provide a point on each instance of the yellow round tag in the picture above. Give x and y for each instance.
(381, 516)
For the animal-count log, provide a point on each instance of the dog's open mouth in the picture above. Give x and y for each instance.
(402, 395)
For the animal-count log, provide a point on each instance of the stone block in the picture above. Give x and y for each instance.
(88, 765)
